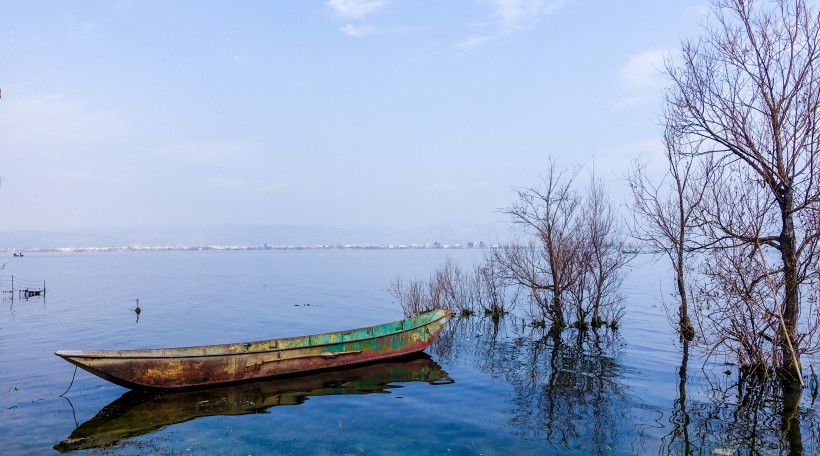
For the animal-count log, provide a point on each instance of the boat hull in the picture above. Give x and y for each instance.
(206, 366)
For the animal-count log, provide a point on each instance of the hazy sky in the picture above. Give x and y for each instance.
(341, 112)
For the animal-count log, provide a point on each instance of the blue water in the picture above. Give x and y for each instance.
(513, 390)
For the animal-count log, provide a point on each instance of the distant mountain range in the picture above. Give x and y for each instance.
(251, 235)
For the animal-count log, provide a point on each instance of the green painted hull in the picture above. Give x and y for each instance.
(209, 365)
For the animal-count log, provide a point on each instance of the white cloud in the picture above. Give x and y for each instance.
(356, 30)
(642, 78)
(521, 15)
(513, 16)
(475, 41)
(355, 9)
(643, 70)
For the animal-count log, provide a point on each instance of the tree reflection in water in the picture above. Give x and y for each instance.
(739, 415)
(568, 389)
(760, 419)
(565, 386)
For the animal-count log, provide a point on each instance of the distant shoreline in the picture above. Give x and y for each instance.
(199, 248)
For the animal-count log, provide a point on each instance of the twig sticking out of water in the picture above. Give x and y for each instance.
(70, 384)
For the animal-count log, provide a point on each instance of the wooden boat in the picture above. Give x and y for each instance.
(138, 413)
(210, 365)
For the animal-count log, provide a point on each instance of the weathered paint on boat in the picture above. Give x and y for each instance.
(209, 365)
(138, 413)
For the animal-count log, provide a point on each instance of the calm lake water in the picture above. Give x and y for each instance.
(484, 389)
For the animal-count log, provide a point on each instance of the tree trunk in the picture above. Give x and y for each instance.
(558, 323)
(791, 301)
(685, 328)
(596, 311)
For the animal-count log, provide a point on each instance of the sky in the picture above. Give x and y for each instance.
(346, 113)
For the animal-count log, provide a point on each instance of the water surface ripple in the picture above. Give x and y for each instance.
(485, 389)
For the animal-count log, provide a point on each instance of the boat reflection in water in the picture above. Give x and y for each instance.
(137, 413)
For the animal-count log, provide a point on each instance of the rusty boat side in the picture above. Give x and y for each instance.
(210, 365)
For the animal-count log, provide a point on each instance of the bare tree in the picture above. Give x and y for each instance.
(522, 266)
(665, 215)
(412, 296)
(549, 263)
(451, 288)
(747, 93)
(603, 244)
(567, 260)
(570, 259)
(491, 288)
